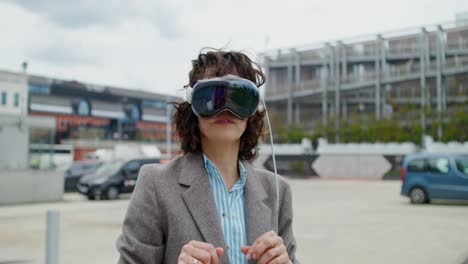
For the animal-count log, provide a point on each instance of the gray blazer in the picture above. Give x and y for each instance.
(173, 204)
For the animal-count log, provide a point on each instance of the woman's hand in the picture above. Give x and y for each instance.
(268, 248)
(196, 252)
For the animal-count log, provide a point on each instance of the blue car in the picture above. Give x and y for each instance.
(434, 176)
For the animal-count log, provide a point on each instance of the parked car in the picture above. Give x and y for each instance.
(429, 176)
(77, 170)
(112, 179)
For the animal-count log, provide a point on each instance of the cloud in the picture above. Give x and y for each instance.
(62, 52)
(74, 15)
(148, 44)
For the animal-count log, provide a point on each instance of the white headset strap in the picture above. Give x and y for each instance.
(188, 94)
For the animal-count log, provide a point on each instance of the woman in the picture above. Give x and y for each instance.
(210, 205)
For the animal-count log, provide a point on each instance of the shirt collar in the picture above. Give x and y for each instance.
(242, 172)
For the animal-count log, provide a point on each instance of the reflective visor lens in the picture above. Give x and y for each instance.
(211, 97)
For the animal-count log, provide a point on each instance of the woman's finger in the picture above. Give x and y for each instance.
(273, 254)
(187, 259)
(282, 259)
(202, 256)
(208, 248)
(264, 245)
(252, 252)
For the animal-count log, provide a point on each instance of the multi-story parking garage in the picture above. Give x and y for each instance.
(423, 69)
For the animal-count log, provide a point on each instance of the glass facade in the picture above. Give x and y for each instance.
(39, 88)
(157, 104)
(4, 98)
(16, 99)
(84, 108)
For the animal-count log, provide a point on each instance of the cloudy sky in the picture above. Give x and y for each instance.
(148, 44)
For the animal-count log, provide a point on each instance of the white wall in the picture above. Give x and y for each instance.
(14, 139)
(431, 146)
(14, 144)
(366, 148)
(11, 84)
(25, 186)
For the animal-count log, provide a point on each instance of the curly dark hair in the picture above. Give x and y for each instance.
(215, 63)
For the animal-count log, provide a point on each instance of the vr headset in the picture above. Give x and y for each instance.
(209, 97)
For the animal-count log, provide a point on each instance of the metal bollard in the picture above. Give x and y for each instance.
(52, 237)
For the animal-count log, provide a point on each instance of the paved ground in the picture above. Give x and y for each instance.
(335, 222)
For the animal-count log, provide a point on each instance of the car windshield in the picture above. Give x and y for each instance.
(76, 168)
(109, 168)
(462, 164)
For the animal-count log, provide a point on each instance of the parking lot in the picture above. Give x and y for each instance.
(335, 222)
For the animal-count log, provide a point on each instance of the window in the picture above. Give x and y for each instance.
(462, 165)
(438, 165)
(417, 165)
(132, 168)
(84, 108)
(16, 99)
(39, 88)
(158, 104)
(135, 113)
(4, 98)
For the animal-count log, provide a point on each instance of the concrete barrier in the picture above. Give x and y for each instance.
(29, 186)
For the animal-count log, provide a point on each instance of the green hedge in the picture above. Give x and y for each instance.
(406, 128)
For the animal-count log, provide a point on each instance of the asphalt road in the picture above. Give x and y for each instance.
(335, 222)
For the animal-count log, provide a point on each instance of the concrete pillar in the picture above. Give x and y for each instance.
(423, 45)
(325, 82)
(383, 54)
(297, 82)
(383, 68)
(297, 66)
(442, 58)
(378, 74)
(439, 77)
(344, 62)
(290, 87)
(266, 66)
(337, 52)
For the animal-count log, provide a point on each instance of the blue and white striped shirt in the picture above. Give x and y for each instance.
(231, 210)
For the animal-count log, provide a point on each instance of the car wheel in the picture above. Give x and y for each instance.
(112, 193)
(418, 195)
(97, 194)
(90, 197)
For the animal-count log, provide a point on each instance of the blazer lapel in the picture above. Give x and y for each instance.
(258, 214)
(200, 199)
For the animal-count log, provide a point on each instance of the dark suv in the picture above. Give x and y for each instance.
(77, 170)
(112, 179)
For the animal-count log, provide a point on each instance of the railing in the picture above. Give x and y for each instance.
(456, 62)
(364, 49)
(395, 44)
(359, 77)
(402, 49)
(389, 73)
(308, 85)
(311, 55)
(457, 44)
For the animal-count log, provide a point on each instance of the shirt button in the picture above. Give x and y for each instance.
(224, 215)
(228, 247)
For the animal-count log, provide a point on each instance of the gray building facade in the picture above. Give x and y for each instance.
(425, 69)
